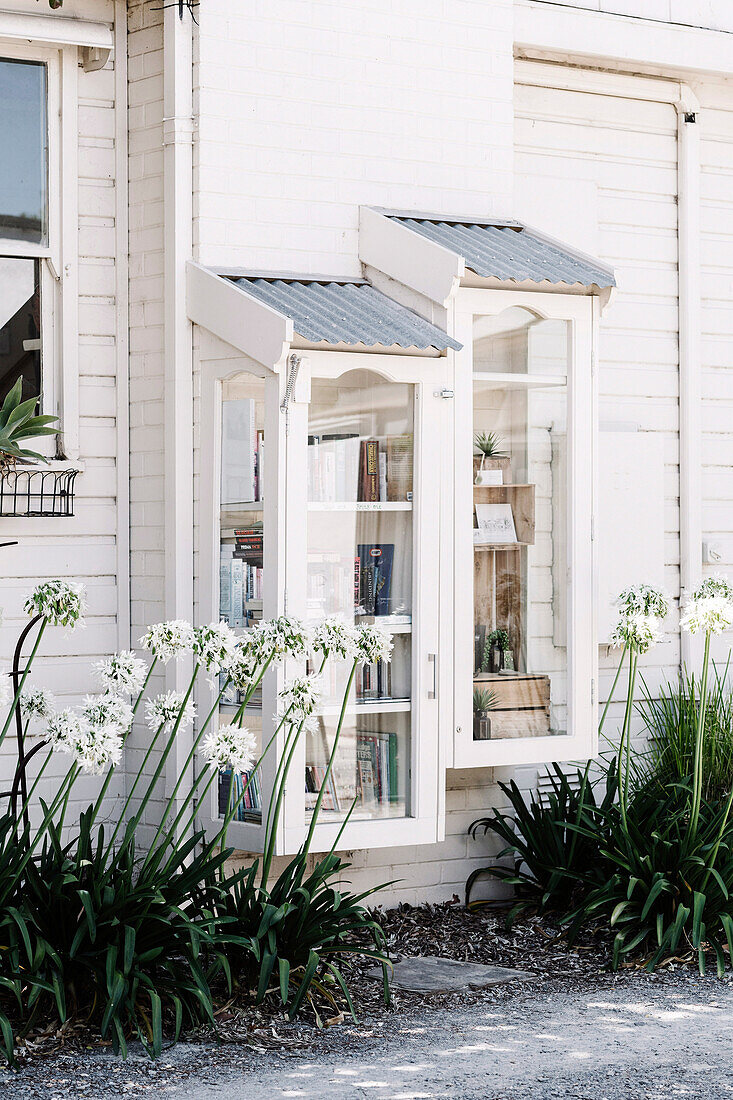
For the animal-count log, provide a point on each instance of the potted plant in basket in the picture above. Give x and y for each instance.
(493, 460)
(19, 421)
(497, 654)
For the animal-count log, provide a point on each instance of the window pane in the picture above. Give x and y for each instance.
(360, 465)
(241, 560)
(520, 522)
(23, 140)
(20, 327)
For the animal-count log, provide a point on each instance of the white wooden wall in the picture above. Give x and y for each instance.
(83, 548)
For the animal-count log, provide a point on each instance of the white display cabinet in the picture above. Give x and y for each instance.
(524, 564)
(322, 492)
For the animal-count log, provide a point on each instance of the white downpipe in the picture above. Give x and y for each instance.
(690, 352)
(178, 342)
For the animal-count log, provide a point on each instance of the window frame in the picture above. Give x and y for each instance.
(58, 254)
(581, 740)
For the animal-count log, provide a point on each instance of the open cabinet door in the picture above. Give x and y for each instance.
(525, 639)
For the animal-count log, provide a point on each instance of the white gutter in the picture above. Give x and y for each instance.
(56, 30)
(690, 352)
(122, 329)
(178, 340)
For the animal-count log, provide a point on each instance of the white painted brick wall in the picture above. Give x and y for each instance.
(83, 548)
(709, 14)
(309, 108)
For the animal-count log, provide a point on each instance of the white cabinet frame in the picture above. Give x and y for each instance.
(285, 516)
(581, 311)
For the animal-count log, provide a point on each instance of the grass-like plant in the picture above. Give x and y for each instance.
(489, 445)
(663, 851)
(484, 700)
(18, 422)
(142, 943)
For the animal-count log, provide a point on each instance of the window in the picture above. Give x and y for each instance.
(23, 220)
(20, 325)
(24, 141)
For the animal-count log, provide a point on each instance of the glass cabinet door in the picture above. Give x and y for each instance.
(528, 638)
(241, 556)
(360, 469)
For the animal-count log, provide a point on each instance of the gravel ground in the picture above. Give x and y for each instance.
(573, 1031)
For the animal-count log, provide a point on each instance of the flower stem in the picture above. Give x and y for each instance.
(697, 767)
(611, 692)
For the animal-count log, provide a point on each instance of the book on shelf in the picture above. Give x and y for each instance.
(314, 778)
(399, 467)
(240, 585)
(375, 577)
(246, 801)
(344, 467)
(330, 583)
(373, 682)
(377, 778)
(249, 544)
(369, 470)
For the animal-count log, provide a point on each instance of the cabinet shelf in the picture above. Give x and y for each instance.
(359, 505)
(376, 706)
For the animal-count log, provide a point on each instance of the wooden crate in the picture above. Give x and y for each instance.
(523, 703)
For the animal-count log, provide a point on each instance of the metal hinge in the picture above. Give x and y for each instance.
(592, 528)
(593, 692)
(447, 395)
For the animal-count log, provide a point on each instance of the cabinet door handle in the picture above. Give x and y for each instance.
(433, 691)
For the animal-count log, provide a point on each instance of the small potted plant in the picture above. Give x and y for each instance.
(492, 460)
(483, 702)
(496, 649)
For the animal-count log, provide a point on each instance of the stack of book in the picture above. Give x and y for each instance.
(248, 803)
(314, 776)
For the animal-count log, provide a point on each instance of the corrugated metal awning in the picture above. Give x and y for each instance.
(509, 251)
(349, 311)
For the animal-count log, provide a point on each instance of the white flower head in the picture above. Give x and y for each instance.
(280, 638)
(107, 710)
(300, 696)
(373, 644)
(122, 674)
(163, 711)
(644, 599)
(215, 646)
(707, 614)
(60, 603)
(169, 640)
(716, 585)
(247, 660)
(37, 704)
(230, 747)
(334, 637)
(637, 632)
(93, 748)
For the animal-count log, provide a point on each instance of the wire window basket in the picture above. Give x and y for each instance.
(34, 492)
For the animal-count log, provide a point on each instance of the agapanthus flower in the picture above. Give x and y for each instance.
(637, 632)
(707, 614)
(171, 640)
(300, 696)
(644, 599)
(122, 674)
(107, 710)
(334, 637)
(247, 660)
(215, 646)
(716, 585)
(37, 704)
(282, 637)
(61, 603)
(373, 644)
(230, 747)
(163, 710)
(94, 748)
